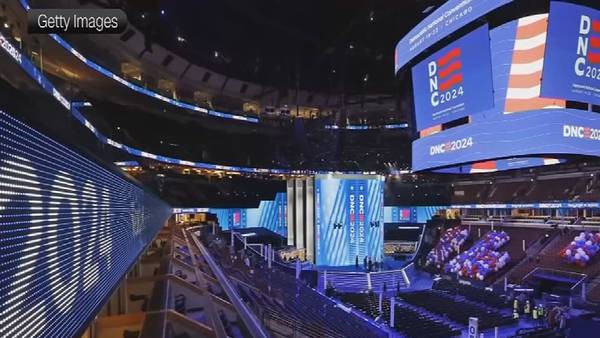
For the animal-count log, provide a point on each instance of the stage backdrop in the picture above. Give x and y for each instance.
(348, 219)
(269, 214)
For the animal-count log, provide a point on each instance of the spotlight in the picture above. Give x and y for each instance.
(180, 39)
(162, 12)
(6, 25)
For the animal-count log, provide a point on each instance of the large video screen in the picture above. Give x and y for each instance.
(270, 214)
(443, 21)
(416, 214)
(522, 122)
(501, 165)
(348, 219)
(572, 70)
(70, 229)
(454, 82)
(393, 214)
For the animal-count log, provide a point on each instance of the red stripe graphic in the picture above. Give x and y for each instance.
(592, 57)
(454, 80)
(595, 42)
(456, 65)
(596, 26)
(454, 53)
(485, 165)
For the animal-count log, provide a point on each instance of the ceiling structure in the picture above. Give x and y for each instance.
(331, 46)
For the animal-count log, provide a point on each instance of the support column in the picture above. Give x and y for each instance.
(392, 310)
(269, 249)
(299, 270)
(123, 297)
(299, 211)
(309, 218)
(291, 220)
(272, 254)
(266, 255)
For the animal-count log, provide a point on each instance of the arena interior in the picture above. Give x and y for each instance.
(310, 169)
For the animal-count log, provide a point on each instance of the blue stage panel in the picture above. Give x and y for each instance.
(348, 219)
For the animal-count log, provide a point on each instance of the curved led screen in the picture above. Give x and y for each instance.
(69, 231)
(524, 121)
(572, 70)
(560, 131)
(445, 20)
(500, 165)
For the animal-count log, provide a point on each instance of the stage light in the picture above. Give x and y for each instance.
(180, 39)
(162, 12)
(428, 9)
(6, 25)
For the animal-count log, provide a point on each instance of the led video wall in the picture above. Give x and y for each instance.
(500, 165)
(270, 215)
(443, 21)
(572, 70)
(348, 218)
(69, 231)
(392, 214)
(535, 67)
(455, 81)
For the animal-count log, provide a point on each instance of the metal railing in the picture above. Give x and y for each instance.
(251, 322)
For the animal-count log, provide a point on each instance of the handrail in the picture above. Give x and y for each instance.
(298, 325)
(582, 276)
(251, 322)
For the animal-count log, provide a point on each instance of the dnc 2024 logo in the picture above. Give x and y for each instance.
(445, 77)
(587, 63)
